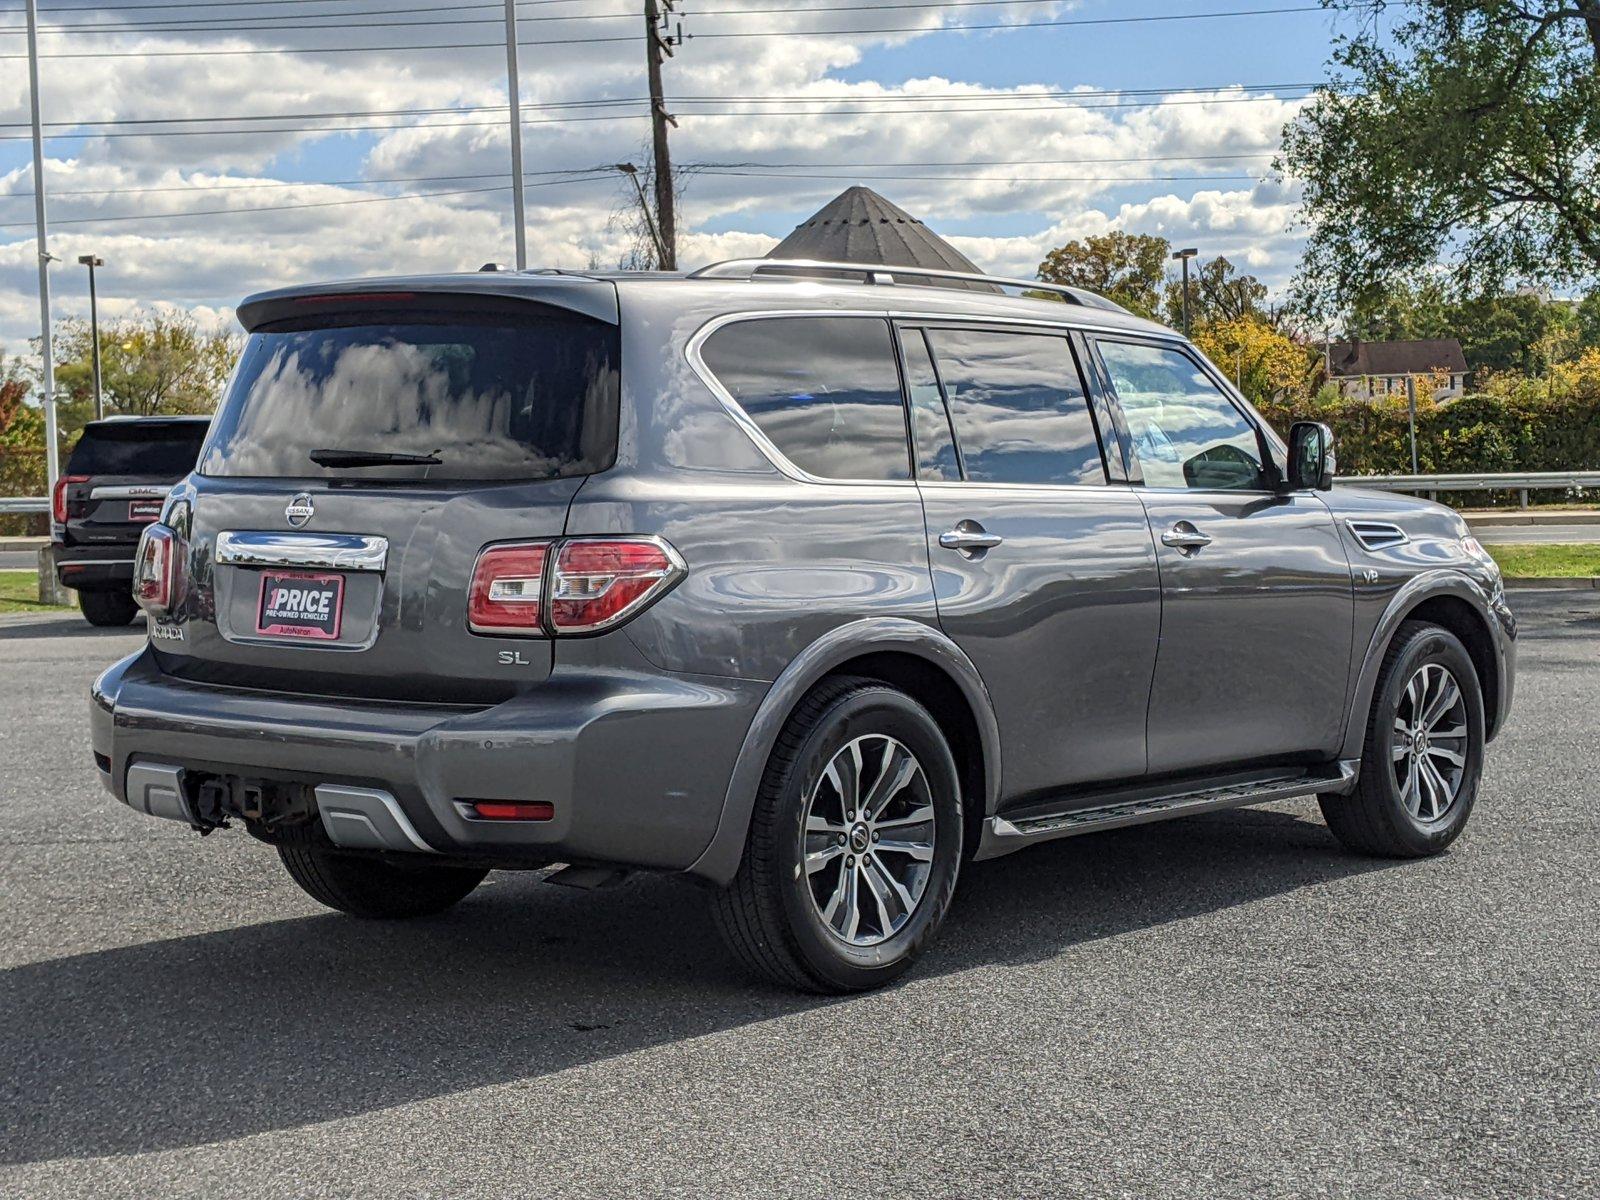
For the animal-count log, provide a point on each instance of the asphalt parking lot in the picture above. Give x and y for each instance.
(1223, 1006)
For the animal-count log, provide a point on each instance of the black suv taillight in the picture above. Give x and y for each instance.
(58, 498)
(569, 586)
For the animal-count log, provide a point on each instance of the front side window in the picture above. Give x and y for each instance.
(824, 390)
(1018, 407)
(1186, 432)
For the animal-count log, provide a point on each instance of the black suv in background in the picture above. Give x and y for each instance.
(114, 484)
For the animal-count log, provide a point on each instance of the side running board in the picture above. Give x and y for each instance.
(1015, 832)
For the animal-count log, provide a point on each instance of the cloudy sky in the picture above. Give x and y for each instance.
(208, 151)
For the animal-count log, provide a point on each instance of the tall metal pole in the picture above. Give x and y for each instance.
(666, 216)
(1185, 295)
(52, 454)
(519, 214)
(1411, 404)
(90, 261)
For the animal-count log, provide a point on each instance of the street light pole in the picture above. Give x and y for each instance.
(632, 172)
(52, 452)
(92, 262)
(1184, 256)
(518, 212)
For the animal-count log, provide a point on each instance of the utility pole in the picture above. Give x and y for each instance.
(90, 261)
(658, 45)
(52, 453)
(518, 212)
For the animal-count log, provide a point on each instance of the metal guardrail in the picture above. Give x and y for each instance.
(1522, 482)
(24, 504)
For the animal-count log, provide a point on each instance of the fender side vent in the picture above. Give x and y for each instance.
(1378, 535)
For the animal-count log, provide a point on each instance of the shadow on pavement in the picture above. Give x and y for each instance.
(277, 1025)
(63, 625)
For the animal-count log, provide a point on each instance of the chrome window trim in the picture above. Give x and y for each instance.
(895, 316)
(331, 551)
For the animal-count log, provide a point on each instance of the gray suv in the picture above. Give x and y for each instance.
(811, 581)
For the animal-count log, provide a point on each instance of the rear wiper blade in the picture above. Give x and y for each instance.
(372, 458)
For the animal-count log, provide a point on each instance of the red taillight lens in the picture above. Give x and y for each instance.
(155, 569)
(58, 498)
(512, 810)
(507, 589)
(597, 583)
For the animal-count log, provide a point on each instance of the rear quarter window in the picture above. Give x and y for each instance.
(824, 390)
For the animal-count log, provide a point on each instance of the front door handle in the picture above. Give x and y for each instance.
(970, 538)
(1185, 537)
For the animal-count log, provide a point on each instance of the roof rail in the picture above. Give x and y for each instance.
(884, 274)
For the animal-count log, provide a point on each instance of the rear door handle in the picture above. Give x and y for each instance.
(1184, 536)
(969, 537)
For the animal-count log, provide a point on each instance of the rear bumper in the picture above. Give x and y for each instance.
(636, 765)
(94, 567)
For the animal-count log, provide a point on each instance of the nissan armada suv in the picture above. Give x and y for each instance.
(811, 581)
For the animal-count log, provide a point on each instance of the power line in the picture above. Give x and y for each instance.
(769, 33)
(882, 112)
(563, 105)
(246, 24)
(707, 167)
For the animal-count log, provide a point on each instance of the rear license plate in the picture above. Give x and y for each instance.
(144, 510)
(300, 604)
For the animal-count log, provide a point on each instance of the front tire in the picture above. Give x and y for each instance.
(1423, 754)
(109, 609)
(854, 844)
(370, 887)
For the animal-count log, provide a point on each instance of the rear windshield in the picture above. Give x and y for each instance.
(161, 450)
(488, 397)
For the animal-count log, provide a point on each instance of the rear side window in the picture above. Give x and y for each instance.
(160, 449)
(824, 390)
(490, 396)
(1018, 407)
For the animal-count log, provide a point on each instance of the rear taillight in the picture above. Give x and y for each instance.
(598, 583)
(572, 586)
(58, 498)
(507, 589)
(155, 570)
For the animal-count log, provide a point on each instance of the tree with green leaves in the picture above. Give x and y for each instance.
(152, 363)
(1129, 268)
(1465, 131)
(1219, 293)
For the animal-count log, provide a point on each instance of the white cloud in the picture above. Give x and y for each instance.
(209, 262)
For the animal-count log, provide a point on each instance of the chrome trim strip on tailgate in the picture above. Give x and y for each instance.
(335, 551)
(131, 491)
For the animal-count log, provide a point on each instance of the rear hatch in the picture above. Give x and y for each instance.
(120, 472)
(369, 447)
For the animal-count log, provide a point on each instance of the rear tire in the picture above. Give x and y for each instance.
(369, 887)
(107, 608)
(1423, 752)
(820, 902)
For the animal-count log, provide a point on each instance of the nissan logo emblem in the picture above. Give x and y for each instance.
(299, 510)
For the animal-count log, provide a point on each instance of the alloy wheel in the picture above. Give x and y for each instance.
(869, 840)
(1429, 742)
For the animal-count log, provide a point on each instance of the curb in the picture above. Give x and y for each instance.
(23, 543)
(1567, 583)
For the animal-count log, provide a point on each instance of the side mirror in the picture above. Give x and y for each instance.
(1311, 458)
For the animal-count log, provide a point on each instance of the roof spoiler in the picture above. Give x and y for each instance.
(885, 274)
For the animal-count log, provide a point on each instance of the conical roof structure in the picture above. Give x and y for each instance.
(858, 225)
